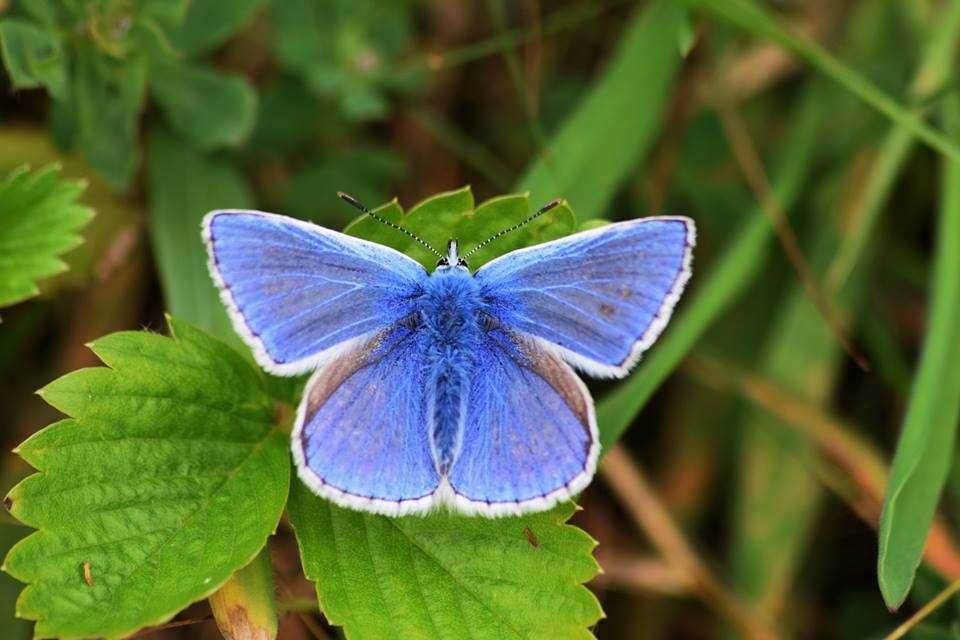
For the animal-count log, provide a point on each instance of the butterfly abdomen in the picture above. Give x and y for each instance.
(449, 314)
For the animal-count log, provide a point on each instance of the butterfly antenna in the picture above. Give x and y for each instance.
(539, 213)
(350, 199)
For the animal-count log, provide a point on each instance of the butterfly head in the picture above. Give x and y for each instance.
(452, 259)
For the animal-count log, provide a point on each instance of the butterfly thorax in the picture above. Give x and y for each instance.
(449, 314)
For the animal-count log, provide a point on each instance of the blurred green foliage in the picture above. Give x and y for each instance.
(767, 444)
(347, 51)
(100, 60)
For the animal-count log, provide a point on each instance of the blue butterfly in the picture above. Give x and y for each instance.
(446, 388)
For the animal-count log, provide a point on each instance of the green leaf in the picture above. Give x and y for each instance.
(686, 35)
(209, 108)
(164, 12)
(451, 215)
(616, 123)
(446, 576)
(33, 57)
(42, 11)
(107, 98)
(928, 437)
(184, 186)
(13, 627)
(39, 219)
(345, 51)
(210, 23)
(168, 476)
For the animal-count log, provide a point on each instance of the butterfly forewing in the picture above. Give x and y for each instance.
(296, 291)
(600, 297)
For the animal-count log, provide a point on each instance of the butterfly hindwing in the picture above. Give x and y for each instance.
(600, 297)
(359, 438)
(530, 436)
(296, 292)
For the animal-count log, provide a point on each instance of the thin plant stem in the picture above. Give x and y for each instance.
(471, 151)
(758, 20)
(751, 166)
(634, 573)
(143, 633)
(515, 69)
(514, 38)
(857, 459)
(634, 492)
(928, 82)
(303, 608)
(924, 611)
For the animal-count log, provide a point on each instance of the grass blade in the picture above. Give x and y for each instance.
(613, 127)
(727, 279)
(926, 444)
(779, 492)
(751, 17)
(934, 70)
(184, 186)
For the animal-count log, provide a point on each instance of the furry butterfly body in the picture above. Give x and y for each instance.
(446, 388)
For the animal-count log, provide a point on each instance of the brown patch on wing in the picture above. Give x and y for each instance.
(561, 377)
(606, 310)
(336, 372)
